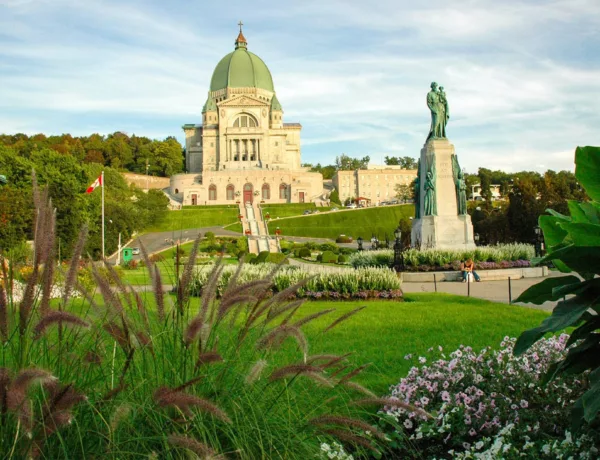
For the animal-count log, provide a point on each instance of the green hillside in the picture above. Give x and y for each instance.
(380, 221)
(290, 210)
(194, 217)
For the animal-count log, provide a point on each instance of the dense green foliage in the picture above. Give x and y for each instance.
(117, 150)
(405, 162)
(529, 194)
(380, 221)
(127, 209)
(194, 217)
(573, 245)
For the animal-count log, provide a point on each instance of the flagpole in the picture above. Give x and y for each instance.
(102, 185)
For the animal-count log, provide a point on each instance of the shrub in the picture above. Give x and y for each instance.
(276, 258)
(329, 257)
(249, 258)
(210, 236)
(158, 257)
(342, 259)
(304, 253)
(261, 258)
(130, 265)
(343, 239)
(329, 247)
(490, 405)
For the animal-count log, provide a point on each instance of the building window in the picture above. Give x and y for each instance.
(266, 192)
(212, 192)
(230, 192)
(283, 195)
(245, 121)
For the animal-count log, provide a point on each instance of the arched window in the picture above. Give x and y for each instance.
(230, 192)
(212, 192)
(283, 192)
(245, 121)
(266, 192)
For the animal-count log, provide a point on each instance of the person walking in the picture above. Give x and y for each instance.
(469, 267)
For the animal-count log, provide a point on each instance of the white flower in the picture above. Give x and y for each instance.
(325, 447)
(422, 359)
(546, 449)
(408, 423)
(478, 445)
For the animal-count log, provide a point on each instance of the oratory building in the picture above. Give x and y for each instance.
(243, 151)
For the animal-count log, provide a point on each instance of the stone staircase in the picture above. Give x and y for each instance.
(256, 230)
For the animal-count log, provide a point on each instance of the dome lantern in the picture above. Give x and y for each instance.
(240, 41)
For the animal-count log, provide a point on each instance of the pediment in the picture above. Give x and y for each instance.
(243, 101)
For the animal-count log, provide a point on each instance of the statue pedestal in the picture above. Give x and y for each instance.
(445, 229)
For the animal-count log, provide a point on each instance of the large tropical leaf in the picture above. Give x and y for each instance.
(587, 170)
(543, 292)
(582, 234)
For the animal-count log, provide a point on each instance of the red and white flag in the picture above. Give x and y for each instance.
(97, 183)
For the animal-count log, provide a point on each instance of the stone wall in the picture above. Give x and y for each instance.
(142, 181)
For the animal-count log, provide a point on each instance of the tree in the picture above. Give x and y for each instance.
(485, 182)
(403, 162)
(346, 163)
(404, 192)
(335, 197)
(391, 161)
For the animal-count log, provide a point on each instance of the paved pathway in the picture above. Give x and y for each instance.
(496, 291)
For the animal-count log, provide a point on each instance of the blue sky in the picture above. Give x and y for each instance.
(522, 77)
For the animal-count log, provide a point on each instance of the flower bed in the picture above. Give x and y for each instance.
(364, 283)
(491, 405)
(485, 257)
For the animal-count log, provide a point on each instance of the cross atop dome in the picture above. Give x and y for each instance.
(241, 42)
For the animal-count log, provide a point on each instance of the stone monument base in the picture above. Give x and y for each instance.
(443, 232)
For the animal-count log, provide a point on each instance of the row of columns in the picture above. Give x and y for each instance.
(237, 148)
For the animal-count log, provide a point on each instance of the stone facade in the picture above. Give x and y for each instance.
(243, 150)
(376, 185)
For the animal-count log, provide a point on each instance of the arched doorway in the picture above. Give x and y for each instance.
(248, 189)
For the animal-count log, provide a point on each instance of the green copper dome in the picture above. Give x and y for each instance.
(241, 69)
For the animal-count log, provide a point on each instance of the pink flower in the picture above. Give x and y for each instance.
(524, 403)
(446, 396)
(472, 432)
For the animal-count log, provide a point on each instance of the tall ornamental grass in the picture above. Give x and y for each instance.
(120, 374)
(344, 283)
(440, 257)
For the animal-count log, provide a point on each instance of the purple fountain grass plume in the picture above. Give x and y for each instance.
(390, 402)
(348, 436)
(4, 301)
(208, 358)
(276, 312)
(271, 339)
(118, 334)
(111, 300)
(279, 297)
(5, 379)
(343, 318)
(354, 373)
(293, 370)
(256, 371)
(16, 395)
(209, 292)
(318, 378)
(62, 397)
(329, 359)
(188, 269)
(49, 265)
(226, 304)
(166, 397)
(193, 329)
(57, 317)
(158, 294)
(338, 371)
(141, 308)
(309, 318)
(202, 450)
(361, 389)
(346, 421)
(144, 341)
(92, 357)
(336, 360)
(111, 394)
(74, 266)
(27, 301)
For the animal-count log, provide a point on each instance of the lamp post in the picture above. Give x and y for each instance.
(539, 241)
(359, 240)
(398, 255)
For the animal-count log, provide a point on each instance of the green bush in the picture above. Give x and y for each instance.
(304, 253)
(342, 259)
(343, 239)
(277, 258)
(249, 258)
(329, 257)
(209, 236)
(261, 258)
(329, 247)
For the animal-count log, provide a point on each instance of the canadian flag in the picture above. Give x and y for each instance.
(97, 183)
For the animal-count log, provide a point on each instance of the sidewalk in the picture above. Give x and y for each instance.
(496, 291)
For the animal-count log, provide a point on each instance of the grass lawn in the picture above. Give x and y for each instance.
(386, 331)
(290, 210)
(194, 217)
(380, 221)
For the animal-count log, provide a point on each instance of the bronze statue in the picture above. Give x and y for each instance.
(461, 194)
(438, 105)
(430, 207)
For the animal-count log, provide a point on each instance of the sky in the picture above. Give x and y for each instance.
(522, 78)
